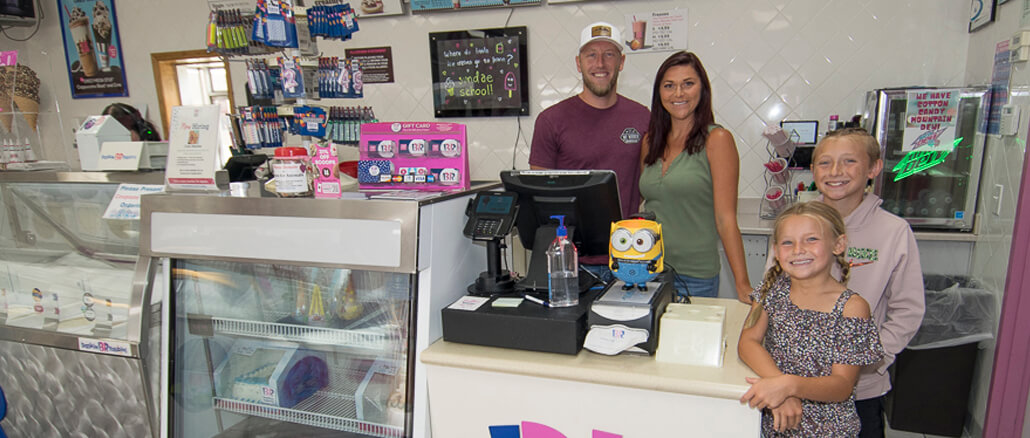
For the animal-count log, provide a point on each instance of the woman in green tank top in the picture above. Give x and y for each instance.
(689, 179)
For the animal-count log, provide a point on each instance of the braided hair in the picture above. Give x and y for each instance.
(816, 210)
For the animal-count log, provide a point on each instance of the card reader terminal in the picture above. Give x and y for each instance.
(491, 215)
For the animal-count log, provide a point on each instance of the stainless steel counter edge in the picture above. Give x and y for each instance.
(67, 341)
(84, 177)
(631, 371)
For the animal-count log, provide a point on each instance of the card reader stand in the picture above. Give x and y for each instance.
(491, 216)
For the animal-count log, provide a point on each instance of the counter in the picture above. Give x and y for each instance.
(472, 388)
(750, 224)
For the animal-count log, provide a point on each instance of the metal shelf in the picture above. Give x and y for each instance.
(378, 338)
(332, 408)
(323, 409)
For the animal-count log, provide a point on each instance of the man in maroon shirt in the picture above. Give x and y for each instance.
(597, 128)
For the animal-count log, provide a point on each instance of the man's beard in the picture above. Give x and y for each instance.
(601, 90)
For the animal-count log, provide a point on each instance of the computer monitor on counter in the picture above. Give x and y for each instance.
(589, 200)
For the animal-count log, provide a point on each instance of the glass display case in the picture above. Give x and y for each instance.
(305, 317)
(75, 319)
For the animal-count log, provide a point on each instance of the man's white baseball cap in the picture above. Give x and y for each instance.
(600, 31)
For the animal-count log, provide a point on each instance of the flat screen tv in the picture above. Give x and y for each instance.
(18, 12)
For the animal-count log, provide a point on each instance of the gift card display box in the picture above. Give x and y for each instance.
(413, 156)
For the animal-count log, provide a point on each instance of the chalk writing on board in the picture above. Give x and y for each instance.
(480, 73)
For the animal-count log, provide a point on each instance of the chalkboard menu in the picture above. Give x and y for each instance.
(480, 73)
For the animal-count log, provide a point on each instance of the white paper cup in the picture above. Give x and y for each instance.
(776, 196)
(782, 175)
(779, 140)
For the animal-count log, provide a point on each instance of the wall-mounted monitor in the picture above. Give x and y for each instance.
(480, 73)
(18, 12)
(801, 132)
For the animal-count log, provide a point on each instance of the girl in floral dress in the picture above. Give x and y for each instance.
(807, 334)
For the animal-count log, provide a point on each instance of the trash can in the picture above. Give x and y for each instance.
(931, 378)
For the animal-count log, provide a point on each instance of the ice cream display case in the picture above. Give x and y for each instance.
(305, 317)
(76, 326)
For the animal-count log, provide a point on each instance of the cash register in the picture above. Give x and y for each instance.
(589, 200)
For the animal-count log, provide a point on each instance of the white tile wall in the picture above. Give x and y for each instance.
(768, 60)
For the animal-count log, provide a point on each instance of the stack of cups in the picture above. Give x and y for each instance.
(776, 197)
(777, 167)
(779, 140)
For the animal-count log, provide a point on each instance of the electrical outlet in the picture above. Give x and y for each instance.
(996, 195)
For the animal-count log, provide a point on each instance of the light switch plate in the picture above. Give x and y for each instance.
(996, 194)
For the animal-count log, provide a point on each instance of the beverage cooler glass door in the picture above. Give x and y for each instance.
(284, 351)
(932, 151)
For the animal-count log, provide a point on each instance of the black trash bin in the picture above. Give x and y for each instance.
(931, 378)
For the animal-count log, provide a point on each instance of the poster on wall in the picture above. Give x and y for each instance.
(981, 13)
(438, 5)
(656, 31)
(379, 8)
(999, 86)
(376, 63)
(92, 48)
(480, 72)
(930, 120)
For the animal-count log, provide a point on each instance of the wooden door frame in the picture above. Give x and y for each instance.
(166, 80)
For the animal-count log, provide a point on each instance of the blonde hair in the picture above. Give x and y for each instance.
(859, 135)
(818, 211)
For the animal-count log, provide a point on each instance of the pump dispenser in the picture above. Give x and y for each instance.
(562, 268)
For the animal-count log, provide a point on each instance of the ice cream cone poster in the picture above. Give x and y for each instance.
(92, 48)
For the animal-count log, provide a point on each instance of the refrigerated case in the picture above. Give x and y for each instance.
(305, 317)
(76, 328)
(932, 144)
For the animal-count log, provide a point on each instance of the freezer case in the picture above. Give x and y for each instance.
(932, 145)
(305, 317)
(76, 326)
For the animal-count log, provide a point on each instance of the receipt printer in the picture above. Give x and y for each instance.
(624, 319)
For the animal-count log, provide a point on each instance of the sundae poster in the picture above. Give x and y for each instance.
(92, 48)
(930, 120)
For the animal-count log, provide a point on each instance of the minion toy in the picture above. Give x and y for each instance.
(636, 252)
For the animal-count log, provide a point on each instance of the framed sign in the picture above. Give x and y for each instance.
(92, 48)
(981, 14)
(480, 73)
(437, 5)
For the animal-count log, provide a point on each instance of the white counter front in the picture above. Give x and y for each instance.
(473, 389)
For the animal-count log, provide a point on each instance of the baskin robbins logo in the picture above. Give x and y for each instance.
(530, 429)
(118, 156)
(104, 347)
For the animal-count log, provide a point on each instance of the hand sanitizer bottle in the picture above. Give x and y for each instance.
(562, 269)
